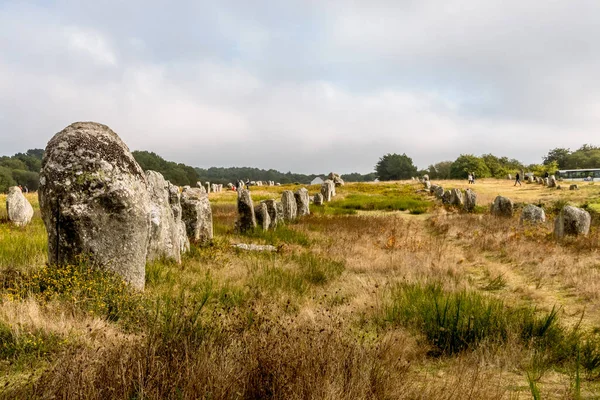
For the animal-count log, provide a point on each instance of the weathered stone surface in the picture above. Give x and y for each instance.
(94, 201)
(574, 187)
(552, 181)
(255, 247)
(572, 221)
(246, 218)
(18, 207)
(438, 192)
(456, 198)
(546, 182)
(502, 207)
(175, 202)
(263, 219)
(425, 177)
(302, 202)
(327, 190)
(447, 197)
(470, 200)
(164, 231)
(200, 186)
(279, 207)
(197, 215)
(288, 201)
(318, 200)
(337, 180)
(427, 185)
(275, 216)
(532, 214)
(207, 184)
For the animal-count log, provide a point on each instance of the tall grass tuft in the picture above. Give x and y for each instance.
(456, 321)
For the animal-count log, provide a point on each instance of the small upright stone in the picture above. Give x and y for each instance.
(175, 202)
(425, 178)
(94, 201)
(438, 192)
(456, 198)
(532, 214)
(288, 201)
(318, 199)
(263, 219)
(572, 221)
(18, 208)
(427, 185)
(275, 217)
(502, 207)
(246, 218)
(470, 200)
(197, 215)
(552, 181)
(327, 190)
(447, 197)
(207, 187)
(164, 232)
(337, 180)
(509, 177)
(574, 187)
(302, 202)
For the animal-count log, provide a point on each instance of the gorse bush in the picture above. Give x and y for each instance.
(26, 342)
(92, 290)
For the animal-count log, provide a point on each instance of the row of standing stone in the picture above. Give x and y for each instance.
(269, 214)
(570, 221)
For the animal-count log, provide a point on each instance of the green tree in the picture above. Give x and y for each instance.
(440, 170)
(466, 163)
(6, 179)
(559, 155)
(394, 167)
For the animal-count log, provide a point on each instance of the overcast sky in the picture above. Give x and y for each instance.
(306, 86)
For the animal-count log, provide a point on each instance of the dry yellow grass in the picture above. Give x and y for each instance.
(304, 322)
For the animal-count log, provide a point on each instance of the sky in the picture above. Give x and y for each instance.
(304, 86)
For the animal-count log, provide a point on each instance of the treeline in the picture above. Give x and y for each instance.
(176, 173)
(587, 156)
(21, 169)
(233, 174)
(401, 166)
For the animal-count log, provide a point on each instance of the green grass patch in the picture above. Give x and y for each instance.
(453, 321)
(283, 234)
(25, 247)
(384, 198)
(381, 202)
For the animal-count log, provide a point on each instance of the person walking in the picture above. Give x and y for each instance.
(470, 179)
(473, 178)
(518, 180)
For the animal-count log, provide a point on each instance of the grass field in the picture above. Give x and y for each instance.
(380, 294)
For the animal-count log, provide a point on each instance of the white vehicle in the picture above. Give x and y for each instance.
(579, 174)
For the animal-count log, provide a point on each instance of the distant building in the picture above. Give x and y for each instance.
(317, 181)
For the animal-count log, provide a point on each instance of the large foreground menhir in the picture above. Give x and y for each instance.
(94, 201)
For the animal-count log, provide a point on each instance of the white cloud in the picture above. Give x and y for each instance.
(91, 43)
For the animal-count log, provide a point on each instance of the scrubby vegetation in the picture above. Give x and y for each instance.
(381, 293)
